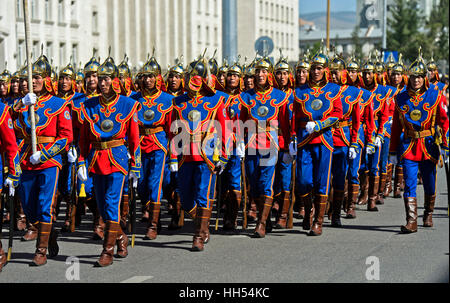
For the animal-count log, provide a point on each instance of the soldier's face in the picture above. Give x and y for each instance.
(174, 81)
(92, 81)
(65, 83)
(249, 82)
(416, 82)
(353, 74)
(317, 73)
(282, 78)
(24, 86)
(302, 76)
(79, 86)
(15, 86)
(105, 84)
(261, 77)
(222, 78)
(431, 74)
(336, 76)
(396, 78)
(232, 80)
(38, 84)
(368, 78)
(149, 82)
(3, 88)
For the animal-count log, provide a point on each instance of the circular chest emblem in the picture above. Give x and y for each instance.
(107, 126)
(149, 115)
(316, 104)
(67, 115)
(36, 119)
(10, 124)
(263, 111)
(416, 115)
(232, 113)
(194, 115)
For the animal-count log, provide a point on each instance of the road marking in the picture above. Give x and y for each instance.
(137, 279)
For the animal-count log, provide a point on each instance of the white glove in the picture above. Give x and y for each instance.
(82, 173)
(378, 142)
(72, 155)
(9, 183)
(220, 167)
(287, 158)
(35, 158)
(393, 159)
(352, 153)
(444, 155)
(293, 149)
(370, 150)
(134, 179)
(310, 127)
(173, 167)
(128, 155)
(29, 99)
(240, 150)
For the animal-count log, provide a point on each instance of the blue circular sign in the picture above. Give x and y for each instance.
(264, 46)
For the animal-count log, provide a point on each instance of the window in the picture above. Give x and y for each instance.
(73, 10)
(95, 22)
(271, 11)
(62, 54)
(49, 50)
(21, 56)
(216, 37)
(35, 50)
(207, 7)
(74, 53)
(207, 36)
(61, 11)
(48, 10)
(277, 12)
(199, 33)
(34, 10)
(19, 8)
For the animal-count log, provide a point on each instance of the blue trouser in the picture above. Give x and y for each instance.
(384, 155)
(37, 191)
(196, 185)
(339, 167)
(151, 181)
(108, 193)
(313, 169)
(373, 162)
(232, 174)
(428, 171)
(283, 175)
(65, 179)
(353, 167)
(260, 171)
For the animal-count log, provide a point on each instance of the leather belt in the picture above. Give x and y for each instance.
(341, 124)
(40, 140)
(419, 134)
(146, 131)
(102, 145)
(197, 137)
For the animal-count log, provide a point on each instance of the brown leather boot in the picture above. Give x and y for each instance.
(2, 257)
(110, 236)
(381, 187)
(309, 211)
(338, 199)
(329, 208)
(40, 255)
(428, 212)
(263, 215)
(201, 232)
(152, 228)
(252, 215)
(300, 206)
(364, 195)
(122, 244)
(320, 204)
(98, 224)
(177, 220)
(411, 216)
(282, 215)
(69, 209)
(388, 186)
(230, 220)
(31, 234)
(398, 181)
(124, 209)
(344, 203)
(352, 199)
(373, 193)
(21, 220)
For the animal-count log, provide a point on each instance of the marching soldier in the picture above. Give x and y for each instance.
(420, 113)
(8, 146)
(433, 75)
(38, 183)
(266, 108)
(5, 78)
(108, 120)
(202, 153)
(283, 171)
(317, 106)
(345, 136)
(125, 79)
(249, 77)
(154, 126)
(79, 79)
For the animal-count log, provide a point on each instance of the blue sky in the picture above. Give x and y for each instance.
(314, 6)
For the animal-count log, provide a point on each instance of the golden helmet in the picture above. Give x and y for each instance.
(390, 62)
(320, 58)
(15, 75)
(399, 67)
(236, 69)
(369, 65)
(418, 67)
(264, 63)
(379, 66)
(68, 71)
(5, 75)
(282, 64)
(249, 70)
(353, 64)
(213, 65)
(337, 63)
(178, 67)
(152, 66)
(42, 67)
(431, 65)
(198, 67)
(303, 63)
(23, 72)
(124, 69)
(108, 68)
(92, 65)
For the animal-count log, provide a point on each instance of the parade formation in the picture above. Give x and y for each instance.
(258, 142)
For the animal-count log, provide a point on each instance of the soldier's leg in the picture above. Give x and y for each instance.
(251, 163)
(353, 185)
(2, 256)
(339, 171)
(411, 169)
(177, 220)
(364, 178)
(305, 183)
(186, 188)
(428, 172)
(27, 192)
(384, 159)
(374, 179)
(234, 193)
(285, 187)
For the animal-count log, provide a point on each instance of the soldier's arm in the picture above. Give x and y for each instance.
(333, 118)
(396, 130)
(442, 121)
(8, 146)
(221, 117)
(356, 123)
(134, 143)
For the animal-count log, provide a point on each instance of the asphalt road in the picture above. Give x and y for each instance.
(368, 249)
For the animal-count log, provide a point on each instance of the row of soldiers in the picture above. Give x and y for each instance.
(327, 134)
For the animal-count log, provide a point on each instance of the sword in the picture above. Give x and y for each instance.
(10, 201)
(290, 224)
(218, 198)
(132, 211)
(74, 197)
(244, 187)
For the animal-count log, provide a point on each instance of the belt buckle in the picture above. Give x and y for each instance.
(104, 145)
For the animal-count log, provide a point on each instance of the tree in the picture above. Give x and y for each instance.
(403, 29)
(357, 45)
(437, 38)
